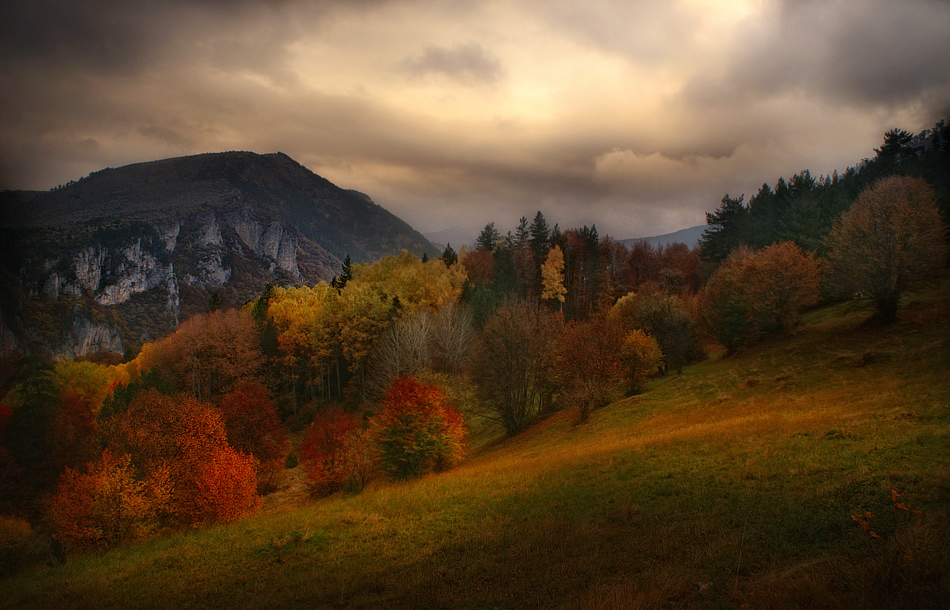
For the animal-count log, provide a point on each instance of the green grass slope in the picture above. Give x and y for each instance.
(733, 485)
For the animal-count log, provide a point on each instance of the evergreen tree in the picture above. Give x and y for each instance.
(540, 236)
(728, 229)
(346, 273)
(521, 234)
(215, 303)
(449, 256)
(488, 238)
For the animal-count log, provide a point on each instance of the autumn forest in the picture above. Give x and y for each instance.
(399, 368)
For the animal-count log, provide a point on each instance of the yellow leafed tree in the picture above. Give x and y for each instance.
(552, 276)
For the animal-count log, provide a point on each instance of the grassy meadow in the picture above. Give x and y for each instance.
(732, 485)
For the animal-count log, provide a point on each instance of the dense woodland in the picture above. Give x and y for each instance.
(381, 373)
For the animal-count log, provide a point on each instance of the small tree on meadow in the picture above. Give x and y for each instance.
(892, 235)
(417, 431)
(590, 364)
(754, 294)
(665, 318)
(514, 360)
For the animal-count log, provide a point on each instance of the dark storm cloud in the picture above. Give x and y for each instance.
(636, 112)
(466, 63)
(123, 36)
(865, 53)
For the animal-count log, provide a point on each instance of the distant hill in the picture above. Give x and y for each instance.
(121, 256)
(690, 237)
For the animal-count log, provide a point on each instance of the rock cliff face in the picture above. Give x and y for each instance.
(122, 256)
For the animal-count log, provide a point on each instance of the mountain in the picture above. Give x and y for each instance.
(453, 236)
(119, 257)
(689, 236)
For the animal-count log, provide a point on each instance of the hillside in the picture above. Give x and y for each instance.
(122, 255)
(746, 481)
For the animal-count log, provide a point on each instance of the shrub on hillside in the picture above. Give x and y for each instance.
(643, 357)
(417, 431)
(335, 452)
(756, 293)
(210, 481)
(107, 505)
(666, 318)
(223, 486)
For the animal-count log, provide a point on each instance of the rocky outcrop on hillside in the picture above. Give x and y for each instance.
(122, 256)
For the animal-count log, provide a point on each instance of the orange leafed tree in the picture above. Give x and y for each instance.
(893, 234)
(590, 364)
(207, 354)
(417, 431)
(107, 504)
(222, 487)
(478, 265)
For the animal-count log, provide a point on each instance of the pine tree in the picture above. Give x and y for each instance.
(521, 234)
(540, 236)
(449, 256)
(346, 273)
(488, 238)
(215, 303)
(728, 227)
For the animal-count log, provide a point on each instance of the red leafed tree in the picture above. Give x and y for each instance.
(478, 264)
(335, 452)
(222, 487)
(417, 431)
(210, 480)
(252, 426)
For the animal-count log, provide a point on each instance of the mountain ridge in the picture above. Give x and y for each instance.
(122, 255)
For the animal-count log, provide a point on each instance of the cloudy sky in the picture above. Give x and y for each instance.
(637, 116)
